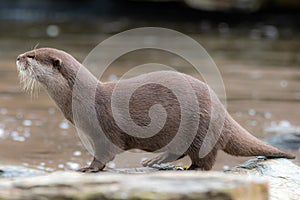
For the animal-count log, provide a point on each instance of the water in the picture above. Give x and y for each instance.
(260, 70)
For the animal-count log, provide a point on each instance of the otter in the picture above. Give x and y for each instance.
(56, 71)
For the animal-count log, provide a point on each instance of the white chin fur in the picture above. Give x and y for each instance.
(20, 67)
(27, 79)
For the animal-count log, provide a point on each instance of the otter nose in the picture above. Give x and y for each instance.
(19, 57)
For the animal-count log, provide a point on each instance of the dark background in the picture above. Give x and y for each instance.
(170, 13)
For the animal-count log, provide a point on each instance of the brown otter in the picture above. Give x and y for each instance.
(56, 71)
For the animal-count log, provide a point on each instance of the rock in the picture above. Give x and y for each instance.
(162, 185)
(11, 171)
(285, 141)
(284, 135)
(242, 5)
(215, 5)
(166, 166)
(282, 174)
(140, 170)
(250, 180)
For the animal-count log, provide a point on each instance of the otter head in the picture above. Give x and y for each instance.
(53, 69)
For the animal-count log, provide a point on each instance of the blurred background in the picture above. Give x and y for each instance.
(255, 44)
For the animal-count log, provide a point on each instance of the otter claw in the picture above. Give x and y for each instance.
(151, 162)
(89, 170)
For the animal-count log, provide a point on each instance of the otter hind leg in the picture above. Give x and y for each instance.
(205, 163)
(161, 158)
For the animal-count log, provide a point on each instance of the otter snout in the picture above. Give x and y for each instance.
(25, 55)
(22, 59)
(19, 58)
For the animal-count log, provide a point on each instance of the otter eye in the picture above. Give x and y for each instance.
(31, 56)
(57, 63)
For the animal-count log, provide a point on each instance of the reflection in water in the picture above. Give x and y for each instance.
(260, 71)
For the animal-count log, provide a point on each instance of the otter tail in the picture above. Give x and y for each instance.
(242, 143)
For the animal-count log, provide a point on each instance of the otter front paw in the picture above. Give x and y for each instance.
(96, 166)
(89, 169)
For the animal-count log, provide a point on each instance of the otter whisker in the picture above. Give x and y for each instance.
(34, 48)
(28, 82)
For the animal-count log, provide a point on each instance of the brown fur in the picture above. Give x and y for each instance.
(234, 139)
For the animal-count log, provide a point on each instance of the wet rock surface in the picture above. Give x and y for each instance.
(282, 174)
(285, 141)
(284, 135)
(257, 178)
(11, 171)
(158, 185)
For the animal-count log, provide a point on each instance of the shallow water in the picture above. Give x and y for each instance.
(261, 77)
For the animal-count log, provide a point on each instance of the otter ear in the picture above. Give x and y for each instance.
(57, 63)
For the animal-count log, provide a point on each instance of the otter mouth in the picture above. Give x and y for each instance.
(28, 78)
